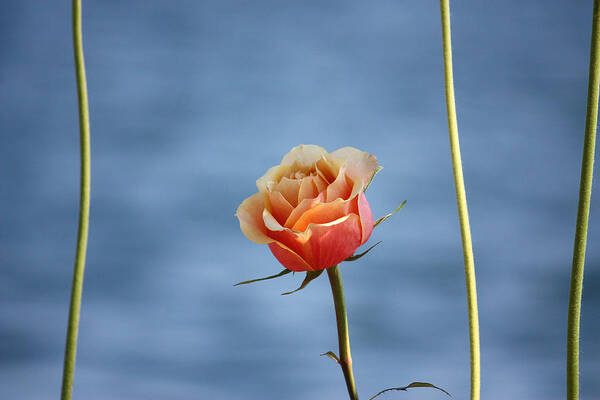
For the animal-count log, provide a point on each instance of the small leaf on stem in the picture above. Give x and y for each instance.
(332, 355)
(380, 220)
(310, 275)
(282, 273)
(357, 256)
(412, 385)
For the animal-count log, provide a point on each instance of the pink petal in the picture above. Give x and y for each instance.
(321, 246)
(330, 244)
(366, 218)
(288, 258)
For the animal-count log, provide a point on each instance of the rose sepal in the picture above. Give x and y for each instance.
(359, 255)
(310, 276)
(380, 220)
(282, 273)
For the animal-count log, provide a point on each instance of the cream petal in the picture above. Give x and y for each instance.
(305, 155)
(357, 187)
(358, 163)
(270, 222)
(289, 188)
(320, 183)
(307, 189)
(279, 206)
(250, 214)
(272, 176)
(326, 169)
(341, 188)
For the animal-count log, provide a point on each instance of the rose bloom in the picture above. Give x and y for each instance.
(311, 209)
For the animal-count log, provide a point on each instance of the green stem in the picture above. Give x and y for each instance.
(337, 289)
(583, 211)
(84, 207)
(461, 200)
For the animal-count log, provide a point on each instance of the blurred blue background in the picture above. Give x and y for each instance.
(192, 101)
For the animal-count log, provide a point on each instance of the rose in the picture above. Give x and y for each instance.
(311, 209)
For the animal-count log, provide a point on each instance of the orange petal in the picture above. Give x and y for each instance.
(359, 164)
(304, 206)
(292, 240)
(250, 214)
(330, 244)
(307, 189)
(324, 213)
(279, 206)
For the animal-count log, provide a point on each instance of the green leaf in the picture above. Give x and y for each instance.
(380, 220)
(282, 273)
(310, 275)
(357, 256)
(412, 385)
(372, 176)
(332, 355)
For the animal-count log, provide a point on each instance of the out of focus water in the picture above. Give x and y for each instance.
(191, 101)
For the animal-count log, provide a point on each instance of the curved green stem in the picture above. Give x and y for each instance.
(339, 301)
(461, 200)
(583, 211)
(84, 207)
